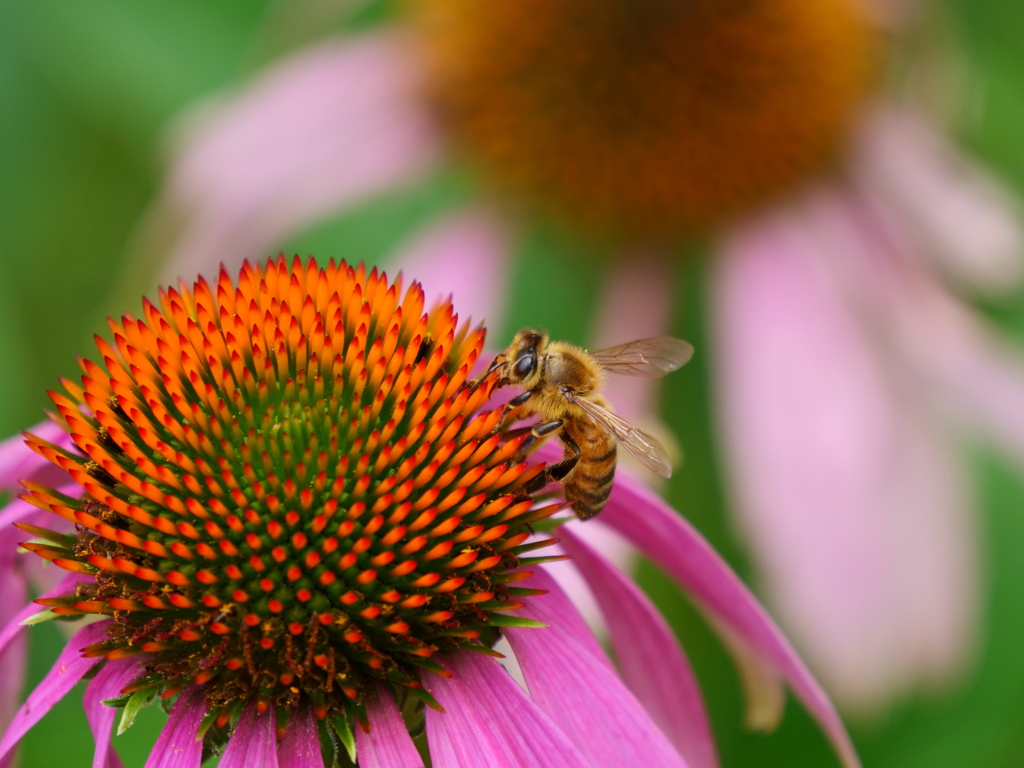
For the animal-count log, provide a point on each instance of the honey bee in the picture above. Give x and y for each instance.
(562, 384)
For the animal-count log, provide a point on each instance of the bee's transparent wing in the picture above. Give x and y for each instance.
(650, 358)
(647, 449)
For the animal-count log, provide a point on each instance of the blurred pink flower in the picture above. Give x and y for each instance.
(846, 366)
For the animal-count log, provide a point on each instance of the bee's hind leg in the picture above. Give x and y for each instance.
(558, 471)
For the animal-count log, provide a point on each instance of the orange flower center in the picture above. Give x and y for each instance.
(290, 491)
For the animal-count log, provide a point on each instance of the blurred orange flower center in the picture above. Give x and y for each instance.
(647, 118)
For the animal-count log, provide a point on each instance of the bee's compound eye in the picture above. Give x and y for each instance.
(525, 365)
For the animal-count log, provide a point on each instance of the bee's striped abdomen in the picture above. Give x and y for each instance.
(589, 484)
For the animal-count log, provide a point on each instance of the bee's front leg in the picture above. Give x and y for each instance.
(516, 402)
(497, 363)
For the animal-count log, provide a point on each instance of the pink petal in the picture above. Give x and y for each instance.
(253, 744)
(942, 340)
(673, 544)
(935, 346)
(177, 746)
(14, 628)
(19, 462)
(300, 747)
(464, 255)
(652, 664)
(388, 744)
(13, 656)
(489, 721)
(43, 575)
(637, 302)
(572, 622)
(808, 414)
(960, 214)
(18, 511)
(762, 684)
(108, 684)
(68, 670)
(327, 128)
(580, 693)
(571, 581)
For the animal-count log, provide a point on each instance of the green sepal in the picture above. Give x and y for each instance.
(117, 702)
(538, 560)
(136, 703)
(525, 592)
(500, 605)
(39, 618)
(62, 540)
(484, 650)
(343, 729)
(208, 720)
(532, 545)
(504, 620)
(426, 698)
(433, 666)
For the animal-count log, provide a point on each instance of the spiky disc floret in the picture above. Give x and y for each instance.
(290, 489)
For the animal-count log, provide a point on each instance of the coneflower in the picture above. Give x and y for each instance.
(842, 226)
(302, 527)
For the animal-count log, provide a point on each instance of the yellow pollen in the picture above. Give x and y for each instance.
(646, 118)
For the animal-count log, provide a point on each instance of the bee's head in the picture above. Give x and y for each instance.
(521, 358)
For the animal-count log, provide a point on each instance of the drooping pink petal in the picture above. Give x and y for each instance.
(580, 693)
(681, 551)
(650, 659)
(326, 128)
(177, 746)
(108, 684)
(388, 744)
(300, 747)
(14, 627)
(762, 684)
(68, 670)
(465, 255)
(489, 720)
(960, 214)
(253, 744)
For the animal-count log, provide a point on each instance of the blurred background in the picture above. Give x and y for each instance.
(91, 95)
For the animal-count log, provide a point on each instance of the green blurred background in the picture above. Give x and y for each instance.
(88, 91)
